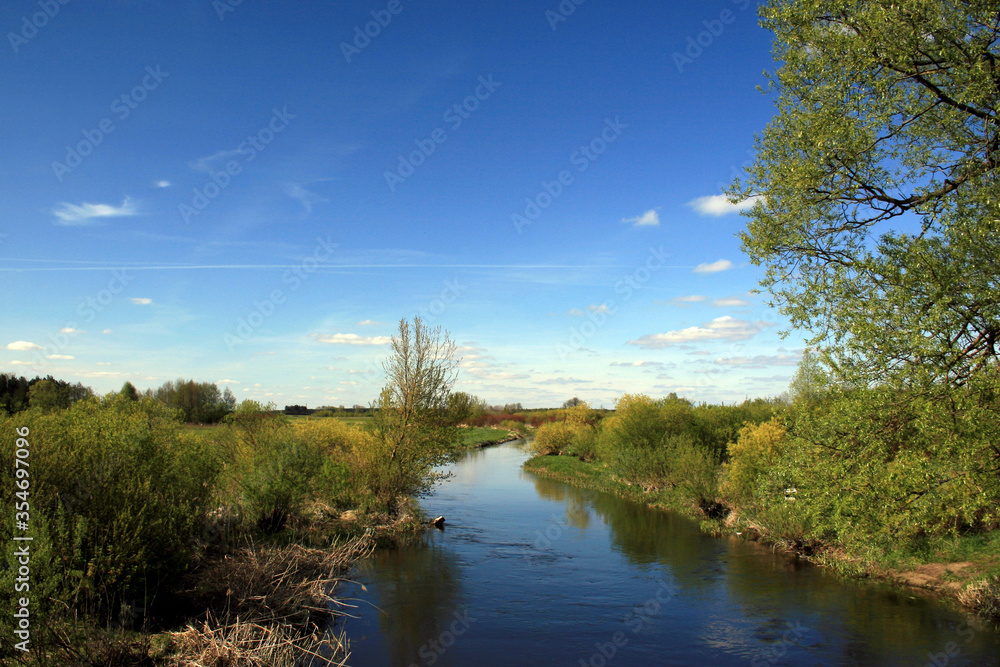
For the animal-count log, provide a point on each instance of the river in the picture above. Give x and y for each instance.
(529, 571)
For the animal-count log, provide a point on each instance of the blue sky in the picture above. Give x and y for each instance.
(254, 193)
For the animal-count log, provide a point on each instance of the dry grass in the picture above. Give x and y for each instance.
(270, 605)
(983, 596)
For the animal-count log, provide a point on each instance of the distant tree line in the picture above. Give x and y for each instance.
(48, 393)
(199, 402)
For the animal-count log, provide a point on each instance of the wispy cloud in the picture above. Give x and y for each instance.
(304, 197)
(714, 267)
(78, 214)
(227, 382)
(600, 308)
(648, 219)
(721, 328)
(71, 330)
(730, 301)
(686, 300)
(23, 346)
(564, 381)
(637, 364)
(351, 339)
(205, 163)
(368, 323)
(163, 184)
(760, 361)
(59, 356)
(140, 301)
(719, 205)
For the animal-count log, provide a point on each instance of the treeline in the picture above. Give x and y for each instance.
(20, 393)
(199, 402)
(880, 472)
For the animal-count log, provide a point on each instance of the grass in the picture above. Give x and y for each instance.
(474, 436)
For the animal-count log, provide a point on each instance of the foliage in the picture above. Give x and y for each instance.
(411, 425)
(878, 197)
(750, 480)
(116, 498)
(463, 407)
(17, 393)
(560, 437)
(199, 402)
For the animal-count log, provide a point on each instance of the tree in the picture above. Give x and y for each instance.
(198, 401)
(463, 406)
(411, 422)
(876, 184)
(571, 403)
(129, 392)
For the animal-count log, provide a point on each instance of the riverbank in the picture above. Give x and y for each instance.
(966, 570)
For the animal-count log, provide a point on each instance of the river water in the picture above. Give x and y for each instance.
(528, 571)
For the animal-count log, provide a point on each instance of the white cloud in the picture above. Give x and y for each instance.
(103, 363)
(163, 184)
(562, 381)
(352, 339)
(227, 382)
(648, 219)
(19, 363)
(24, 346)
(71, 330)
(760, 361)
(368, 323)
(106, 331)
(574, 312)
(718, 205)
(636, 364)
(714, 267)
(721, 328)
(685, 300)
(731, 301)
(602, 308)
(59, 356)
(140, 301)
(73, 214)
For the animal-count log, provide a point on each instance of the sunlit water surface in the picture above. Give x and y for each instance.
(529, 571)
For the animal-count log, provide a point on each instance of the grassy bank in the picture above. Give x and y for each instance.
(951, 566)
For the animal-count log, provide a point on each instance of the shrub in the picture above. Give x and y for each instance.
(116, 497)
(748, 478)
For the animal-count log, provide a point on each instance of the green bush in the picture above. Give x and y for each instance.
(116, 495)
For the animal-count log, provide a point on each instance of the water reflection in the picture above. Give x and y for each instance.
(418, 588)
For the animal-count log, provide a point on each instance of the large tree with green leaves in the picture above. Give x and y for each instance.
(878, 183)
